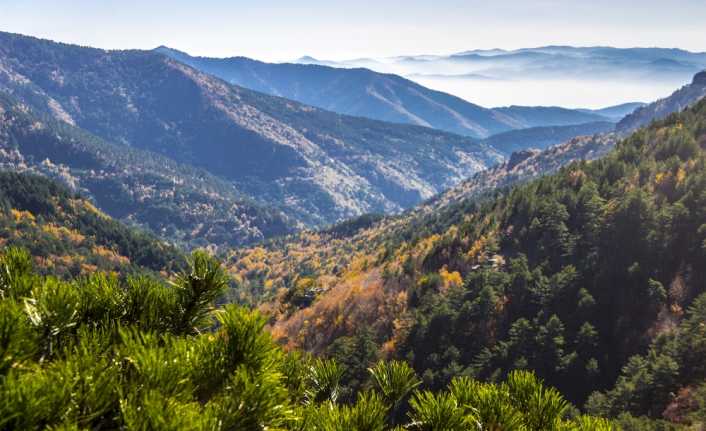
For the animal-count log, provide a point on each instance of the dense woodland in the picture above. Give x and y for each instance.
(68, 236)
(592, 278)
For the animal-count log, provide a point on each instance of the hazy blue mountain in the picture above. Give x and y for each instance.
(359, 92)
(318, 166)
(387, 97)
(544, 137)
(555, 60)
(635, 115)
(590, 61)
(617, 112)
(537, 116)
(551, 75)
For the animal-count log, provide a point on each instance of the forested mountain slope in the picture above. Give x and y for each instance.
(67, 235)
(320, 166)
(523, 166)
(386, 97)
(569, 275)
(526, 164)
(180, 203)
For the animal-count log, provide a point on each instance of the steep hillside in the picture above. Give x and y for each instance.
(681, 99)
(179, 203)
(67, 235)
(386, 97)
(569, 275)
(523, 166)
(320, 166)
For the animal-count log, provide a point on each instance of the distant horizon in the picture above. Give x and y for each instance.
(279, 30)
(492, 93)
(430, 54)
(371, 57)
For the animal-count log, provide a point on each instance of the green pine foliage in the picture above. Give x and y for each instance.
(142, 353)
(648, 382)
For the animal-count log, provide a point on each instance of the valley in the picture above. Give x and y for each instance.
(222, 243)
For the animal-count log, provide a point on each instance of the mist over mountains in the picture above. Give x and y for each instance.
(587, 77)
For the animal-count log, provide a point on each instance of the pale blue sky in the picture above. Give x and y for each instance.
(279, 30)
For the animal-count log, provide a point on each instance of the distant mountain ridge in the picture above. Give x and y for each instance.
(318, 166)
(544, 137)
(387, 97)
(602, 58)
(617, 112)
(555, 75)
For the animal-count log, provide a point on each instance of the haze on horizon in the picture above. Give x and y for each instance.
(280, 30)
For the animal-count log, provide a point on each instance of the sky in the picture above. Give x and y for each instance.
(281, 30)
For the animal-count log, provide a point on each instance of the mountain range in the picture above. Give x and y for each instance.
(363, 92)
(559, 75)
(539, 62)
(200, 161)
(315, 165)
(522, 281)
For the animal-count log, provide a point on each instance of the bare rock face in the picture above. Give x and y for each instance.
(520, 156)
(700, 78)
